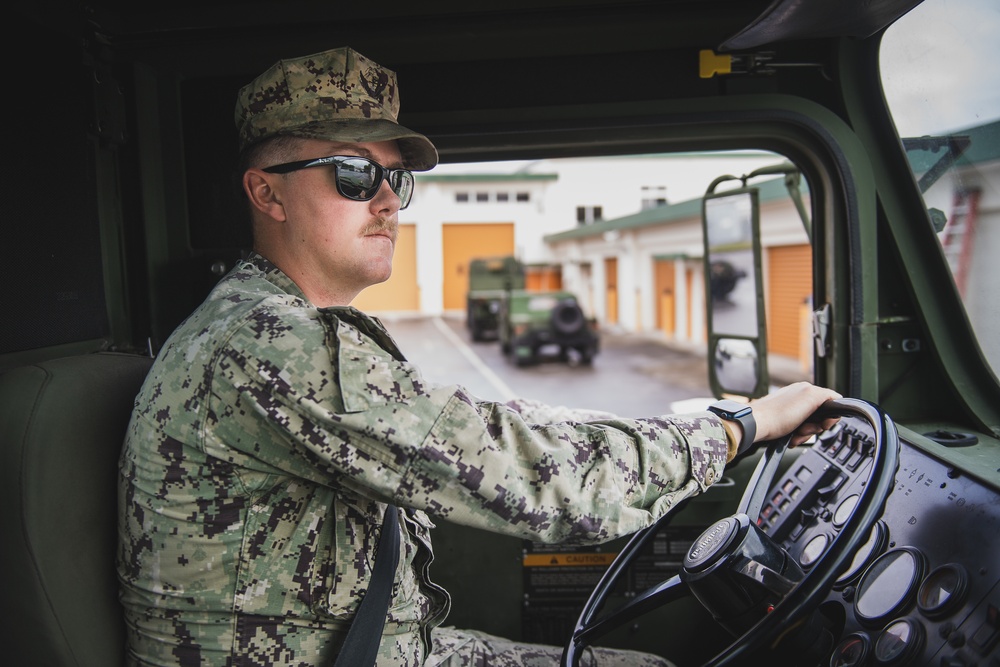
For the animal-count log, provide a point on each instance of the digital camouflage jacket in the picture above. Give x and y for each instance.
(271, 434)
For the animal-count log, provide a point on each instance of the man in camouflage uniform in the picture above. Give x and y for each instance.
(278, 423)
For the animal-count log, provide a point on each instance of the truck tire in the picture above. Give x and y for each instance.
(476, 331)
(516, 359)
(567, 317)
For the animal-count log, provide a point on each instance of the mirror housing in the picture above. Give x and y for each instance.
(737, 331)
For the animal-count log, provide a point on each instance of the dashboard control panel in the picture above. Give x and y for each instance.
(925, 587)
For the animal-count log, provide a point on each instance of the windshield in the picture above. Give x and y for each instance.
(942, 86)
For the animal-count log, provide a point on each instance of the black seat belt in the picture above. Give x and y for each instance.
(361, 645)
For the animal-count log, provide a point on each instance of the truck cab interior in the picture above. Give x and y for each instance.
(879, 544)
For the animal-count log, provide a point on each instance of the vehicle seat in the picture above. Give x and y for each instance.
(62, 423)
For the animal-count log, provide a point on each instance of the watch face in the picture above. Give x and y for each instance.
(731, 409)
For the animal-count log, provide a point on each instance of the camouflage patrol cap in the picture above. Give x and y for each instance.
(338, 95)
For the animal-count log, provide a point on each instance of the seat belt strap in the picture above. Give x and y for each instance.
(361, 644)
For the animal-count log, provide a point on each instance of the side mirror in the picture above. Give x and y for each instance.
(737, 332)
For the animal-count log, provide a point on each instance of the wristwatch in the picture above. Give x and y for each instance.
(735, 411)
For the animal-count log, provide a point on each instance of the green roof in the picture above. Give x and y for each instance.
(653, 217)
(984, 146)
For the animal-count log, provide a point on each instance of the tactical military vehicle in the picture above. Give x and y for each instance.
(723, 277)
(489, 279)
(876, 545)
(538, 324)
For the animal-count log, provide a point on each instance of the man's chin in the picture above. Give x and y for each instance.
(380, 272)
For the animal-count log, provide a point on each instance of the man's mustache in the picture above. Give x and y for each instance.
(381, 225)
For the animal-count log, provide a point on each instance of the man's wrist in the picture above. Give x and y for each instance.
(739, 416)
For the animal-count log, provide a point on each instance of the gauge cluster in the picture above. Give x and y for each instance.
(923, 589)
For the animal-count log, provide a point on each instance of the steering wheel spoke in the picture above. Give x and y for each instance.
(762, 478)
(654, 597)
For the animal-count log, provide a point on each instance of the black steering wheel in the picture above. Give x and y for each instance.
(737, 572)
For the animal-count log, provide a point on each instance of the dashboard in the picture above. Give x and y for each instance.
(925, 587)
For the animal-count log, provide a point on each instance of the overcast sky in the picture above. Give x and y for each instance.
(941, 66)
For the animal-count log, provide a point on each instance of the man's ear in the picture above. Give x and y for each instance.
(262, 191)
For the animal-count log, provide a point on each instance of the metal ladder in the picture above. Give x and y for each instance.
(957, 235)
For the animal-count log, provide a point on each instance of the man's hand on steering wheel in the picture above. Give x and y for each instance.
(788, 409)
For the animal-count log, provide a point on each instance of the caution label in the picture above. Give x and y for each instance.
(568, 559)
(558, 579)
(557, 582)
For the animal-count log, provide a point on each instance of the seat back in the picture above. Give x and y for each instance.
(62, 423)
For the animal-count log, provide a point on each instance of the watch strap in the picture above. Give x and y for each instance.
(734, 436)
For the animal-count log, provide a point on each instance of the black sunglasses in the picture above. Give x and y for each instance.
(357, 178)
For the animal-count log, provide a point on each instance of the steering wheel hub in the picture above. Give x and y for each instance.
(711, 545)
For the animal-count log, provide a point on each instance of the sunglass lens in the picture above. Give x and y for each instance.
(402, 185)
(358, 179)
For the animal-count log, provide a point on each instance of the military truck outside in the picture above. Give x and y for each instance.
(530, 322)
(723, 277)
(489, 279)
